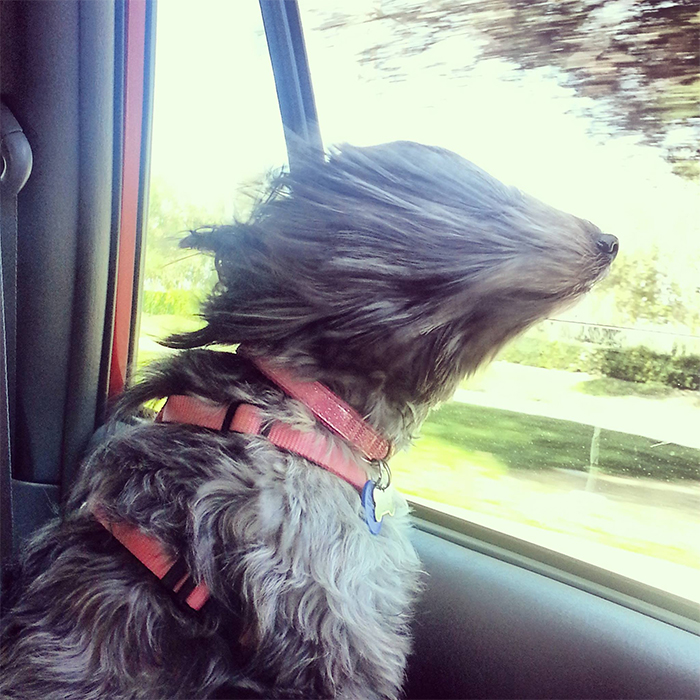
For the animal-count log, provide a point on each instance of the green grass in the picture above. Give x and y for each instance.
(607, 386)
(161, 325)
(479, 459)
(523, 441)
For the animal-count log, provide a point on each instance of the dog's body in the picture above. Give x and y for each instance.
(387, 273)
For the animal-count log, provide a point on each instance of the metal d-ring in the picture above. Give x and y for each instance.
(384, 480)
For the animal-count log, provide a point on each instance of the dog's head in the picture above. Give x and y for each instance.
(400, 261)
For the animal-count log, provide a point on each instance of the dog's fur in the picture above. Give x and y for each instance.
(387, 273)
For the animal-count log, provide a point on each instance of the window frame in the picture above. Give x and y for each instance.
(137, 117)
(290, 68)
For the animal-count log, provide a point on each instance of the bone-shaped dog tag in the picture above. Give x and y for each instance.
(383, 502)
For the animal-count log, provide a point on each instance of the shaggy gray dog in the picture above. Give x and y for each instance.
(388, 273)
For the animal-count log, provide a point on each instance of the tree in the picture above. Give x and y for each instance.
(644, 290)
(167, 266)
(638, 59)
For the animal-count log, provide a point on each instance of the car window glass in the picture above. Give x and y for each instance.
(217, 135)
(583, 435)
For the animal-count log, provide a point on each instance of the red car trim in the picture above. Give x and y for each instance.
(131, 187)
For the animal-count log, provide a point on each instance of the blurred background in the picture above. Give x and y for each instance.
(583, 436)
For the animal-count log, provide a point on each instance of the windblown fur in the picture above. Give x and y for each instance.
(388, 273)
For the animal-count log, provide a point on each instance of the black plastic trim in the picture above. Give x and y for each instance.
(601, 582)
(290, 66)
(117, 168)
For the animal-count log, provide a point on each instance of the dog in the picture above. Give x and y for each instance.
(376, 278)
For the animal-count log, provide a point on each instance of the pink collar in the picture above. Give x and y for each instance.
(331, 410)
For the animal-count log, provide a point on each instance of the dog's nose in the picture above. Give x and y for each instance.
(608, 245)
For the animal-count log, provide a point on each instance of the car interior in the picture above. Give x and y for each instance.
(499, 618)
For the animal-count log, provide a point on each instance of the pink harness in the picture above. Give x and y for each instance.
(315, 446)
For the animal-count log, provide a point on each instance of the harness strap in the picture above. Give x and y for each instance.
(247, 419)
(151, 553)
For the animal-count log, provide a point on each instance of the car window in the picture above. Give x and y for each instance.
(217, 135)
(583, 435)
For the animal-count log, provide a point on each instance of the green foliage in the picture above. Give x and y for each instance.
(684, 372)
(539, 352)
(179, 302)
(522, 441)
(634, 364)
(637, 61)
(167, 266)
(640, 364)
(645, 291)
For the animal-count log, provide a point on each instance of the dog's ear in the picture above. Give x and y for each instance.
(249, 303)
(194, 339)
(212, 239)
(221, 241)
(202, 239)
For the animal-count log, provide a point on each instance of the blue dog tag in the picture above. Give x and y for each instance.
(373, 524)
(377, 503)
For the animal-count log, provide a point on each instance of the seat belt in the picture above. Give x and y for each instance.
(16, 165)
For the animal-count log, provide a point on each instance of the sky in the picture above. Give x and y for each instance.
(216, 121)
(217, 125)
